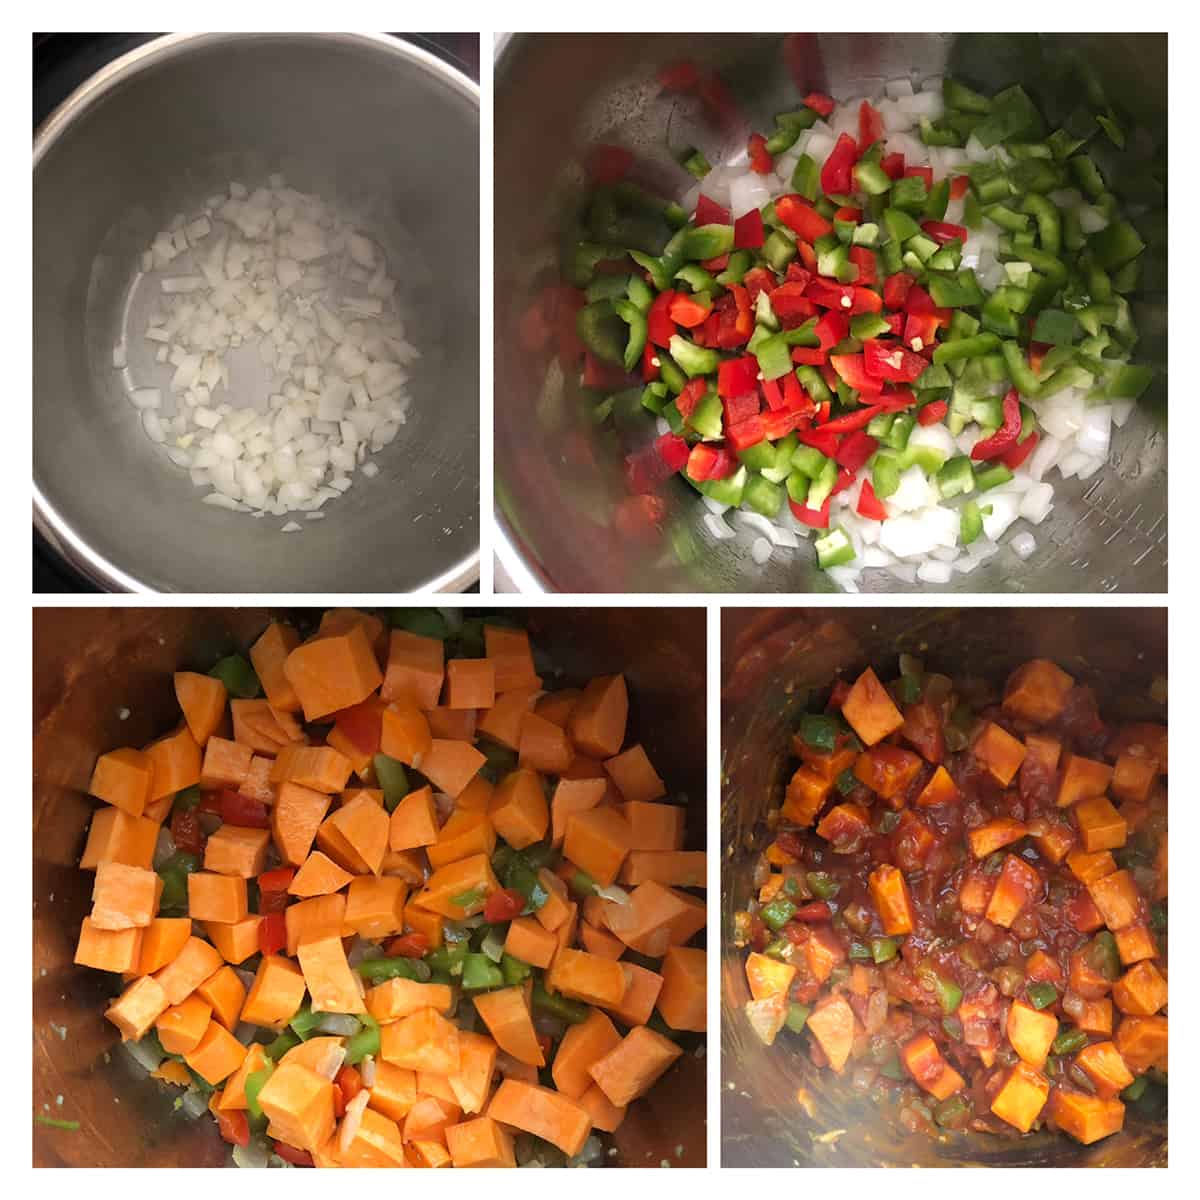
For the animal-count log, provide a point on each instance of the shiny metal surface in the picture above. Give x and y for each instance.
(557, 481)
(367, 120)
(770, 658)
(91, 664)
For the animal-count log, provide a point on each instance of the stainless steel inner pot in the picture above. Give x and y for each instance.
(557, 481)
(771, 659)
(92, 665)
(365, 120)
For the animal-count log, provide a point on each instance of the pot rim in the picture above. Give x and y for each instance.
(48, 521)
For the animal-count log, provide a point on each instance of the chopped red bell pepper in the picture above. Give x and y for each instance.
(604, 377)
(846, 213)
(896, 288)
(845, 477)
(801, 218)
(772, 393)
(837, 296)
(1016, 455)
(758, 280)
(692, 394)
(237, 809)
(943, 232)
(408, 945)
(348, 1078)
(660, 329)
(896, 399)
(810, 356)
(814, 518)
(893, 165)
(791, 305)
(958, 186)
(797, 274)
(836, 177)
(709, 212)
(925, 173)
(741, 408)
(339, 1103)
(865, 301)
(808, 256)
(932, 413)
(832, 328)
(1006, 436)
(870, 126)
(918, 300)
(608, 164)
(233, 1126)
(673, 450)
(688, 312)
(502, 905)
(650, 363)
(895, 323)
(210, 802)
(363, 725)
(278, 880)
(681, 76)
(746, 433)
(737, 376)
(710, 462)
(780, 424)
(272, 933)
(859, 419)
(795, 398)
(717, 264)
(298, 1158)
(760, 159)
(819, 102)
(869, 505)
(864, 260)
(748, 231)
(186, 831)
(920, 330)
(891, 361)
(823, 439)
(855, 449)
(831, 382)
(852, 370)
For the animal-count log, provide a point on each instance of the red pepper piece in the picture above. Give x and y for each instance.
(758, 280)
(920, 330)
(709, 212)
(210, 802)
(660, 329)
(692, 394)
(748, 231)
(237, 809)
(741, 408)
(864, 260)
(278, 880)
(1017, 455)
(836, 173)
(746, 433)
(673, 450)
(819, 102)
(855, 449)
(688, 312)
(810, 356)
(925, 173)
(503, 905)
(409, 945)
(895, 323)
(798, 274)
(608, 164)
(772, 393)
(852, 370)
(808, 256)
(870, 126)
(272, 933)
(801, 218)
(958, 186)
(823, 439)
(791, 305)
(795, 398)
(943, 231)
(780, 424)
(604, 377)
(893, 165)
(1006, 436)
(896, 288)
(737, 376)
(350, 1081)
(865, 301)
(186, 831)
(837, 296)
(363, 725)
(814, 518)
(233, 1126)
(869, 505)
(892, 362)
(650, 368)
(896, 399)
(728, 327)
(918, 300)
(845, 477)
(832, 328)
(298, 1158)
(717, 264)
(859, 419)
(760, 159)
(701, 460)
(846, 213)
(725, 465)
(932, 413)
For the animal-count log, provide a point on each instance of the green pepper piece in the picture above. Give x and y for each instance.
(846, 782)
(939, 201)
(281, 1045)
(1055, 327)
(774, 357)
(174, 874)
(425, 622)
(1068, 1041)
(970, 522)
(448, 958)
(706, 241)
(993, 475)
(238, 676)
(819, 731)
(1115, 245)
(740, 261)
(582, 884)
(958, 95)
(1102, 955)
(514, 970)
(763, 496)
(1128, 382)
(885, 474)
(1048, 221)
(695, 360)
(1135, 1090)
(392, 778)
(305, 1022)
(479, 973)
(822, 884)
(778, 250)
(778, 913)
(797, 1016)
(363, 1043)
(555, 1005)
(871, 178)
(949, 994)
(1087, 175)
(602, 331)
(379, 970)
(187, 799)
(952, 1113)
(521, 876)
(695, 164)
(255, 1082)
(1019, 371)
(884, 949)
(1041, 995)
(966, 347)
(636, 320)
(806, 177)
(956, 477)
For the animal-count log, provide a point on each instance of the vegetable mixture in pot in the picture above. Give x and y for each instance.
(963, 910)
(383, 899)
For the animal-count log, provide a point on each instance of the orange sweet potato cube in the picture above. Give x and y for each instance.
(889, 892)
(115, 950)
(630, 1069)
(993, 835)
(194, 963)
(1018, 886)
(295, 819)
(465, 833)
(1000, 752)
(236, 941)
(176, 764)
(214, 897)
(887, 770)
(123, 778)
(530, 942)
(832, 1025)
(682, 1002)
(1082, 779)
(1030, 1032)
(137, 1008)
(225, 994)
(654, 826)
(941, 789)
(480, 1143)
(604, 1114)
(124, 897)
(423, 1041)
(311, 920)
(924, 1062)
(1142, 1042)
(1132, 778)
(333, 672)
(321, 768)
(1141, 991)
(806, 794)
(1101, 827)
(333, 986)
(574, 796)
(1087, 868)
(1117, 898)
(1021, 1100)
(268, 656)
(115, 836)
(598, 720)
(237, 850)
(768, 977)
(470, 683)
(276, 994)
(459, 890)
(1054, 840)
(415, 669)
(869, 709)
(511, 656)
(366, 827)
(543, 1112)
(396, 998)
(582, 976)
(182, 1026)
(1105, 1067)
(450, 765)
(1037, 691)
(635, 776)
(375, 907)
(395, 1090)
(597, 842)
(1135, 944)
(543, 746)
(518, 809)
(1086, 1118)
(299, 1104)
(225, 763)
